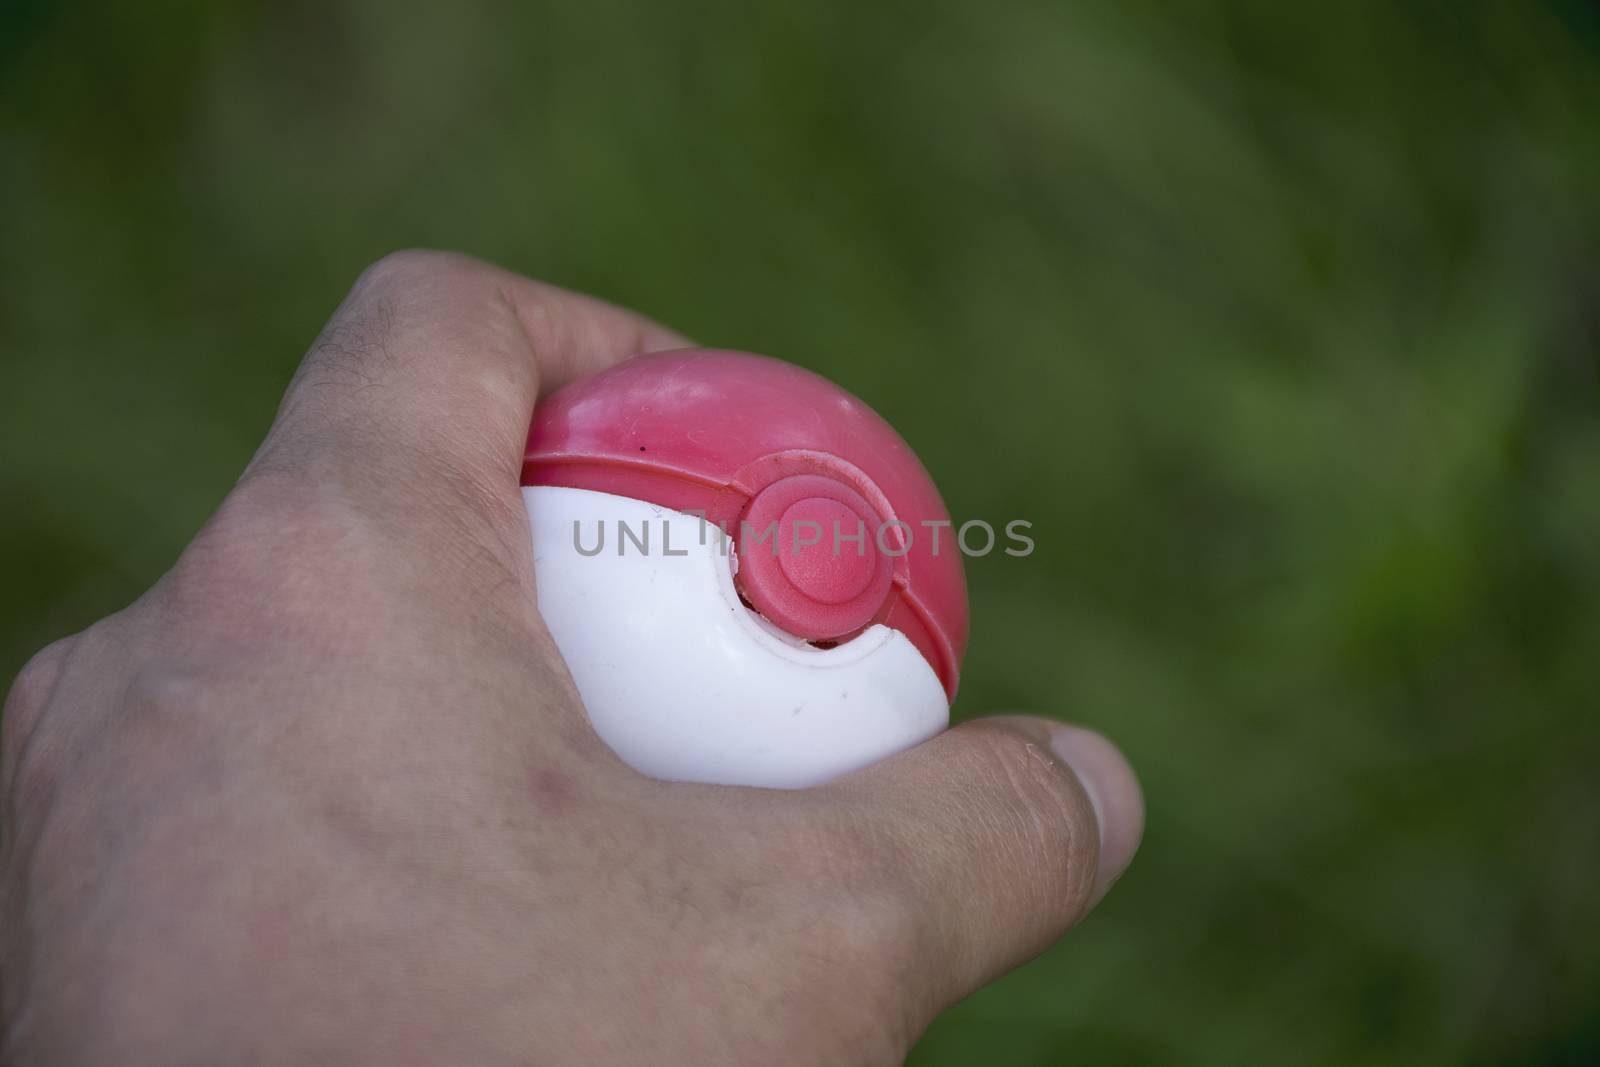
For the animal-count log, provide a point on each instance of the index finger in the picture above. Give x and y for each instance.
(431, 367)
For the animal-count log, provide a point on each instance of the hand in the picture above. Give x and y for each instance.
(326, 794)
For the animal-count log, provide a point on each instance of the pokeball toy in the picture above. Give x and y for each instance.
(749, 574)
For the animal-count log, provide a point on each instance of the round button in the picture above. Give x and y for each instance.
(808, 557)
(825, 550)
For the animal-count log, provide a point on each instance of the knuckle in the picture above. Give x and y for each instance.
(34, 682)
(160, 695)
(409, 265)
(421, 280)
(26, 699)
(357, 343)
(438, 319)
(29, 769)
(1041, 807)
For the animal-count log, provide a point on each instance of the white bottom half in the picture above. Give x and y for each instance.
(686, 683)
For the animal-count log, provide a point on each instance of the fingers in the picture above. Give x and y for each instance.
(430, 369)
(1003, 832)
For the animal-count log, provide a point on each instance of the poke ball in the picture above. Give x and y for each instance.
(743, 568)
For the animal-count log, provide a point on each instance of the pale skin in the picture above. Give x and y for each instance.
(326, 794)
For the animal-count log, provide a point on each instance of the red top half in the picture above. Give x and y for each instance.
(836, 524)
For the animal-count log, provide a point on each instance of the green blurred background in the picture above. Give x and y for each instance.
(1280, 321)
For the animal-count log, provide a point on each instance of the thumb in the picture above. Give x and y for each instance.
(1004, 832)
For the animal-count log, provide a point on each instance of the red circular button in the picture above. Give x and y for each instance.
(808, 557)
(825, 550)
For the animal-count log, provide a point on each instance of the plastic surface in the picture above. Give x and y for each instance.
(717, 432)
(686, 683)
(808, 559)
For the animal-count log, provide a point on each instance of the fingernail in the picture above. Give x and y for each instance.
(1113, 790)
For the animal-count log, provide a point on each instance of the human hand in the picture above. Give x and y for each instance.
(326, 792)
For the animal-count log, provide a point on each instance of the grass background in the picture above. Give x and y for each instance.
(1278, 320)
